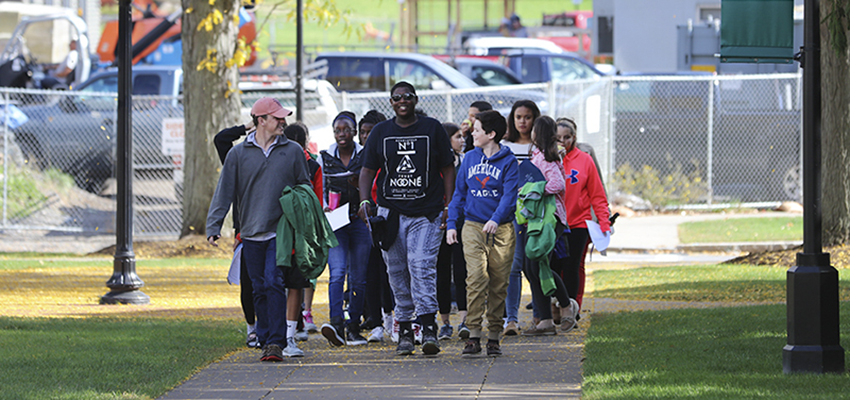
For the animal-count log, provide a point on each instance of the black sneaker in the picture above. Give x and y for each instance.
(353, 337)
(430, 345)
(405, 344)
(472, 347)
(272, 352)
(333, 334)
(493, 348)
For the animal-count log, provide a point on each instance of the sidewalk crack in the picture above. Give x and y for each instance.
(484, 381)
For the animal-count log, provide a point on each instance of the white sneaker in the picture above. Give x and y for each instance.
(377, 334)
(292, 349)
(388, 324)
(395, 329)
(417, 333)
(301, 336)
(568, 322)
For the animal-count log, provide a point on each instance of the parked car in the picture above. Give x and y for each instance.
(483, 71)
(378, 72)
(75, 132)
(533, 66)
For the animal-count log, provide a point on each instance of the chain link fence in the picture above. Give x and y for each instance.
(661, 142)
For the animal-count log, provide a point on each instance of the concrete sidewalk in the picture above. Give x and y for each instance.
(547, 367)
(659, 233)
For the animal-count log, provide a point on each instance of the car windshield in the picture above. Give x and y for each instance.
(565, 69)
(486, 76)
(142, 84)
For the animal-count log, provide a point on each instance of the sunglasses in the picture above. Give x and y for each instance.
(406, 96)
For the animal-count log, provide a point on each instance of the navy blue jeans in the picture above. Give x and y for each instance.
(350, 256)
(269, 292)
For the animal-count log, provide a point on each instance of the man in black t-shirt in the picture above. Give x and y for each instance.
(415, 185)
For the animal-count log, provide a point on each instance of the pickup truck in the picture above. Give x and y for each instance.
(742, 132)
(75, 132)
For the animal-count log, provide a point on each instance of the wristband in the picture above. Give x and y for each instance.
(364, 202)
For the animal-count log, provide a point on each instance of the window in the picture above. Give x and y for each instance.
(565, 69)
(532, 69)
(354, 74)
(421, 77)
(486, 76)
(104, 84)
(147, 85)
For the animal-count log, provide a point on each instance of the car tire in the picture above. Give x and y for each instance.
(791, 183)
(94, 173)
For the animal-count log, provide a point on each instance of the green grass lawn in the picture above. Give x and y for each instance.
(733, 353)
(724, 353)
(723, 282)
(757, 229)
(107, 358)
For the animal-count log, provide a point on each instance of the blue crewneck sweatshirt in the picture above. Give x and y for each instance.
(486, 188)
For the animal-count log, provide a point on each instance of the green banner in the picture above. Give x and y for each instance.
(757, 31)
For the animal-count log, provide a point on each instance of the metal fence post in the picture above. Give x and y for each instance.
(551, 92)
(609, 139)
(449, 113)
(6, 114)
(709, 163)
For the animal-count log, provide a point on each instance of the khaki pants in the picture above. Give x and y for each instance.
(488, 265)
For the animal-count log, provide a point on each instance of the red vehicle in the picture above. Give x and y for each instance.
(576, 38)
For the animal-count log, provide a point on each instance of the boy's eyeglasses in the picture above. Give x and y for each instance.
(406, 96)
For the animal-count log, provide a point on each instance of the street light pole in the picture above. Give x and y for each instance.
(299, 62)
(124, 283)
(812, 285)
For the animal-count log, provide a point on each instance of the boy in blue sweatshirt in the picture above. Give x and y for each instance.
(485, 194)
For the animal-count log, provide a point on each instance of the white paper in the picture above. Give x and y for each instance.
(600, 240)
(338, 218)
(235, 266)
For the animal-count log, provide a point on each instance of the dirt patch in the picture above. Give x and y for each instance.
(839, 257)
(192, 246)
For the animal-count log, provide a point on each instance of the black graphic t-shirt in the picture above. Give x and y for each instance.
(409, 160)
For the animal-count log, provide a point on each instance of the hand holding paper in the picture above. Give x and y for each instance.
(600, 240)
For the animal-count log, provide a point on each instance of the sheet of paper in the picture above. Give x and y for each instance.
(235, 265)
(339, 217)
(600, 240)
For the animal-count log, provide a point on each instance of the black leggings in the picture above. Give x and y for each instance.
(577, 239)
(451, 264)
(246, 292)
(532, 273)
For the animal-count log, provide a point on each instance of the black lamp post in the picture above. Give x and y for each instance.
(812, 285)
(124, 283)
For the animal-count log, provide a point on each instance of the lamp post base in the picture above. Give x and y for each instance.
(812, 359)
(133, 296)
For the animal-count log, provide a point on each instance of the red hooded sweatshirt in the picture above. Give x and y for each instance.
(584, 189)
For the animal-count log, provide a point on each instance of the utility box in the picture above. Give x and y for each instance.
(699, 50)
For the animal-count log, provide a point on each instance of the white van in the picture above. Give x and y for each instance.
(496, 45)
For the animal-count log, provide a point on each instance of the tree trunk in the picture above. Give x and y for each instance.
(207, 107)
(835, 138)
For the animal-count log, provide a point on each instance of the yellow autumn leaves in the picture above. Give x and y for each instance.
(210, 62)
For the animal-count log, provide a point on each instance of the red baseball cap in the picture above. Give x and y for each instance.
(269, 106)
